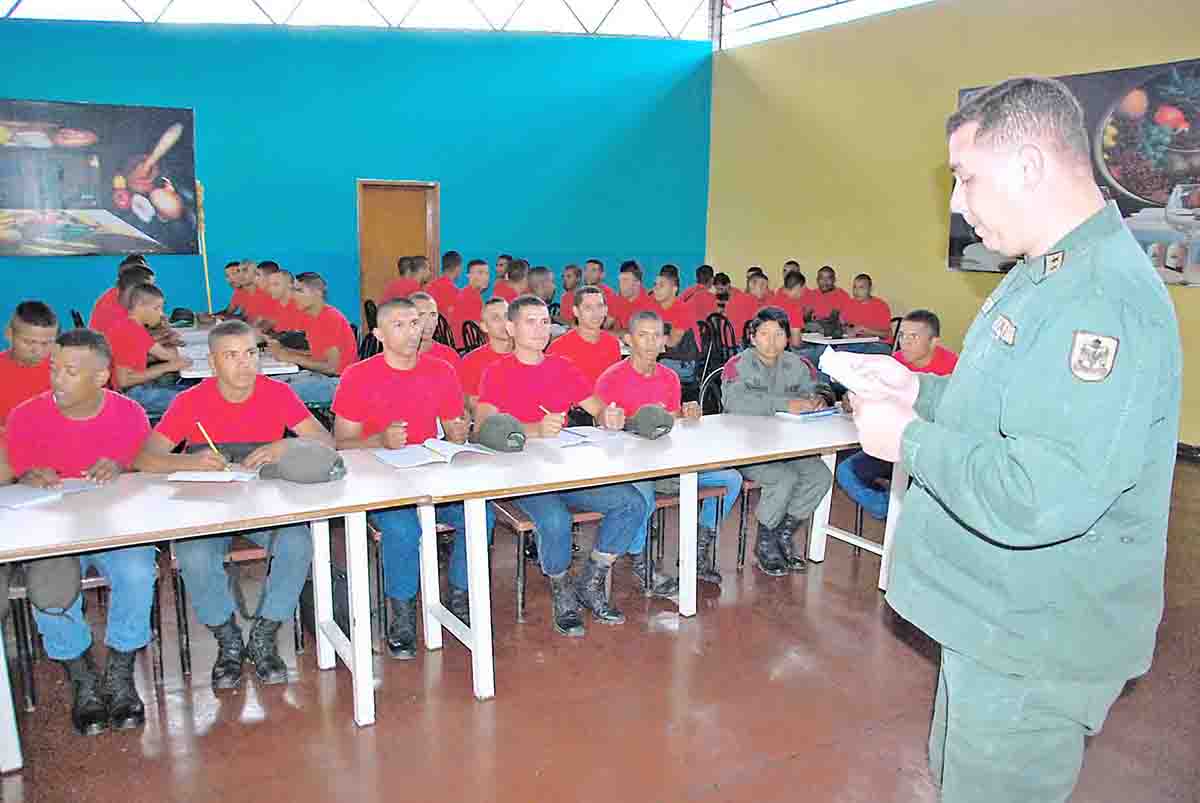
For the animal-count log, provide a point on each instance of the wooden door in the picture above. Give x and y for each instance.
(395, 219)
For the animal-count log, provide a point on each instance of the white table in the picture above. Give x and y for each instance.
(146, 508)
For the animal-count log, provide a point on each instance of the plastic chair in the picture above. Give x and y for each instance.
(473, 336)
(442, 334)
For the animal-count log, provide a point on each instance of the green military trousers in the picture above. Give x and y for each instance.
(1000, 738)
(789, 487)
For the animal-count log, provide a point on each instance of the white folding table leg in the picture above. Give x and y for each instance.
(895, 507)
(10, 740)
(322, 593)
(820, 517)
(687, 544)
(479, 589)
(358, 575)
(431, 587)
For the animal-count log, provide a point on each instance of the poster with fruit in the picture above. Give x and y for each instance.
(1144, 125)
(89, 178)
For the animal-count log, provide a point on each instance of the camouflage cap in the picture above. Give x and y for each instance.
(650, 421)
(500, 432)
(306, 461)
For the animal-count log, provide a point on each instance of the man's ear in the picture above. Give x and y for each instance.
(1032, 161)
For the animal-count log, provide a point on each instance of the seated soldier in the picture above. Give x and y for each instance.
(108, 306)
(499, 343)
(393, 399)
(701, 295)
(631, 298)
(80, 429)
(25, 367)
(634, 383)
(541, 283)
(794, 300)
(538, 389)
(427, 308)
(261, 305)
(588, 346)
(572, 278)
(331, 344)
(237, 408)
(283, 315)
(867, 315)
(763, 380)
(682, 346)
(443, 288)
(469, 306)
(404, 285)
(867, 479)
(828, 298)
(515, 283)
(743, 306)
(593, 276)
(133, 346)
(242, 284)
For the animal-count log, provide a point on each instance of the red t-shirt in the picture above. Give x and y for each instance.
(39, 436)
(625, 387)
(469, 307)
(742, 307)
(942, 364)
(256, 304)
(504, 290)
(402, 287)
(566, 305)
(522, 390)
(106, 310)
(874, 313)
(272, 408)
(330, 329)
(703, 303)
(823, 304)
(621, 309)
(444, 293)
(288, 318)
(441, 351)
(130, 343)
(473, 366)
(680, 315)
(591, 358)
(794, 307)
(240, 299)
(19, 382)
(375, 394)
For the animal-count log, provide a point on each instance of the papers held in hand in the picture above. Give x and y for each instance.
(15, 497)
(431, 451)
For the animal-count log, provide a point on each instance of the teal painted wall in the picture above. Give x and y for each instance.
(555, 148)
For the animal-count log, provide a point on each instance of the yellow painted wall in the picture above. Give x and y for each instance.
(828, 146)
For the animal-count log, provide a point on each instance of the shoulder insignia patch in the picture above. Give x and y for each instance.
(1093, 356)
(1054, 261)
(1004, 330)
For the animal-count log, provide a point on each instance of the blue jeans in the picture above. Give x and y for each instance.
(312, 387)
(130, 573)
(154, 398)
(202, 562)
(870, 497)
(728, 478)
(623, 507)
(401, 546)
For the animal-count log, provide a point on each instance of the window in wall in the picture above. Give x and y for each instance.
(100, 10)
(744, 22)
(337, 12)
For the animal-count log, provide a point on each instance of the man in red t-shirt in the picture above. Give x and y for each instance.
(702, 295)
(240, 281)
(499, 344)
(331, 344)
(593, 276)
(25, 368)
(502, 263)
(631, 298)
(79, 430)
(793, 299)
(541, 283)
(538, 389)
(108, 305)
(867, 315)
(469, 306)
(515, 283)
(590, 348)
(285, 315)
(396, 398)
(133, 346)
(260, 306)
(427, 308)
(572, 280)
(237, 406)
(829, 297)
(679, 322)
(742, 307)
(403, 285)
(444, 288)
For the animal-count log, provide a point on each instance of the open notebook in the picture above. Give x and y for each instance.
(19, 496)
(431, 451)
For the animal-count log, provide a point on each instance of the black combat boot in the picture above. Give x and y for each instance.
(567, 620)
(231, 652)
(460, 604)
(766, 553)
(663, 585)
(89, 714)
(125, 709)
(263, 649)
(402, 631)
(787, 550)
(591, 589)
(706, 563)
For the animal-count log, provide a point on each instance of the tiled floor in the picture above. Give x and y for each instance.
(798, 689)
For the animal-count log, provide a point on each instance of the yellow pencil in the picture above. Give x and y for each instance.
(211, 445)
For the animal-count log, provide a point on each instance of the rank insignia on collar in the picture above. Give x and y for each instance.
(1004, 330)
(1054, 261)
(1093, 356)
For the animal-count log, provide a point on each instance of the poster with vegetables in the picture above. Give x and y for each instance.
(1144, 125)
(88, 178)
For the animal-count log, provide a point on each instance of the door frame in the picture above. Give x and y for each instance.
(433, 220)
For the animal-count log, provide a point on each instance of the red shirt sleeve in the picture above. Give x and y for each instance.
(349, 400)
(284, 399)
(675, 391)
(450, 403)
(130, 343)
(179, 418)
(566, 308)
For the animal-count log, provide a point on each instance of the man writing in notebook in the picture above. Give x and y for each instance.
(81, 430)
(538, 389)
(393, 399)
(237, 406)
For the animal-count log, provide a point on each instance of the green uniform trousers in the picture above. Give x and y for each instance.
(1000, 738)
(789, 487)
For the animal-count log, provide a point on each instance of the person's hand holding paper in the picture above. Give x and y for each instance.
(871, 376)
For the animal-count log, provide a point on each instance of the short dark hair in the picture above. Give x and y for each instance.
(539, 271)
(144, 292)
(475, 262)
(404, 265)
(790, 262)
(394, 304)
(234, 264)
(587, 290)
(757, 277)
(865, 277)
(928, 318)
(231, 328)
(451, 261)
(792, 279)
(1018, 110)
(644, 315)
(268, 266)
(35, 313)
(704, 274)
(521, 302)
(132, 259)
(631, 266)
(282, 272)
(133, 276)
(770, 314)
(572, 268)
(421, 295)
(594, 261)
(88, 339)
(507, 257)
(827, 269)
(670, 273)
(494, 300)
(418, 260)
(722, 279)
(755, 269)
(518, 269)
(312, 281)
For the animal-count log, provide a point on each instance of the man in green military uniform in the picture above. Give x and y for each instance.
(1033, 538)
